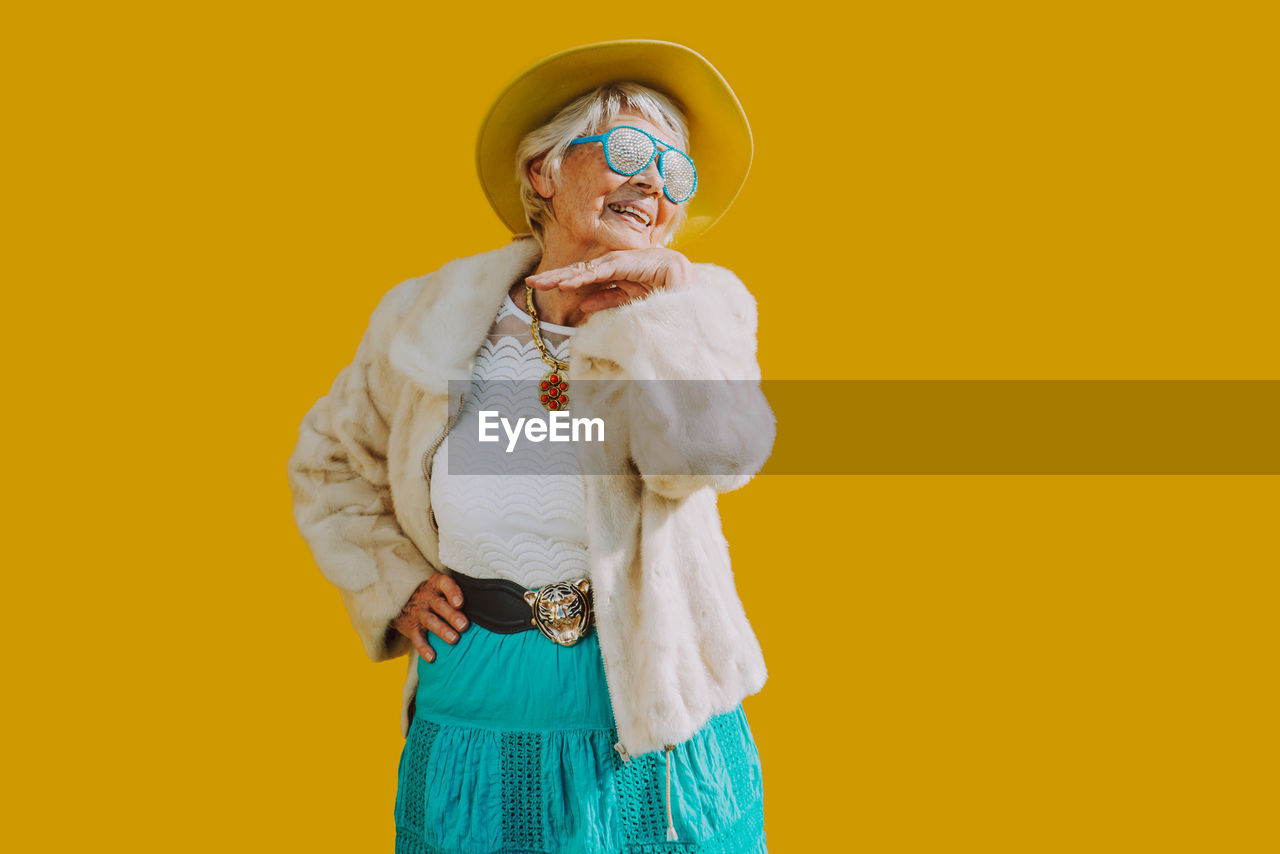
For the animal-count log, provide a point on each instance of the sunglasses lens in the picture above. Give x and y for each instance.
(629, 151)
(679, 178)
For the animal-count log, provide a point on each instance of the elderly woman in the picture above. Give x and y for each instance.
(578, 652)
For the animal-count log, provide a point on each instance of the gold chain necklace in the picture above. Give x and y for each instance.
(554, 385)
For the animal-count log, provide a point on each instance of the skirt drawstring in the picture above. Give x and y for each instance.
(626, 758)
(671, 828)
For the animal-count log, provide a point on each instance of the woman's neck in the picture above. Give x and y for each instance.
(557, 306)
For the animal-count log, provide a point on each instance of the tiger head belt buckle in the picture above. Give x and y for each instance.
(561, 611)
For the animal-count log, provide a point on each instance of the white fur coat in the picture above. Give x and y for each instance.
(676, 643)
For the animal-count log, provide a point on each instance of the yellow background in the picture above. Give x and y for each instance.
(204, 201)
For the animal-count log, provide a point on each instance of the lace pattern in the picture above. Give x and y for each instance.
(411, 794)
(522, 791)
(724, 751)
(525, 527)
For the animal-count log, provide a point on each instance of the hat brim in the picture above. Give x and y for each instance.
(719, 135)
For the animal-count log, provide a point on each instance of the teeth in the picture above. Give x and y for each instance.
(644, 217)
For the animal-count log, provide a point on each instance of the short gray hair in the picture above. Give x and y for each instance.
(588, 115)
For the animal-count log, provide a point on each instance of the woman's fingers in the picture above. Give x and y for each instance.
(442, 605)
(439, 627)
(573, 276)
(451, 591)
(569, 281)
(635, 265)
(431, 608)
(651, 268)
(602, 269)
(419, 641)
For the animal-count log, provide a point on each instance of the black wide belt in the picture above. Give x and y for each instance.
(562, 611)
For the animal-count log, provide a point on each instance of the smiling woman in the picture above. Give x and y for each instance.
(589, 183)
(543, 152)
(589, 208)
(584, 691)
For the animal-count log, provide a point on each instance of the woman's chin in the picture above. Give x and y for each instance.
(628, 238)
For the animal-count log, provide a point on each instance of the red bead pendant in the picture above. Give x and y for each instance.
(553, 390)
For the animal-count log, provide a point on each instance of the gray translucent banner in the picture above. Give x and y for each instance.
(875, 427)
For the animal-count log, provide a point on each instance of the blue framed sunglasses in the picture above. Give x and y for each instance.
(629, 151)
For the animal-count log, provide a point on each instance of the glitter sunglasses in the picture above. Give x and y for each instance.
(629, 151)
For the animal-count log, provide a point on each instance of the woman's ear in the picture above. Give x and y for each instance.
(541, 183)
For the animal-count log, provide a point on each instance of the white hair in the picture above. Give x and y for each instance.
(588, 115)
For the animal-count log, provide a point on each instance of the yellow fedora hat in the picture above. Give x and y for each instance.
(719, 136)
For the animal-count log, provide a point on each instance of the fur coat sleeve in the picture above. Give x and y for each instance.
(697, 417)
(342, 501)
(677, 645)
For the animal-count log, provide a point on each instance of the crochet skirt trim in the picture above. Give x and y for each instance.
(511, 752)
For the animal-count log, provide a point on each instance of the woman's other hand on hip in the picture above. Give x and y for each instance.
(432, 607)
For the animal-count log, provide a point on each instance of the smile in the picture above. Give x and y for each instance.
(629, 210)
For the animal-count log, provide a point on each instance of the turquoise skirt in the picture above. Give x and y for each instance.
(510, 751)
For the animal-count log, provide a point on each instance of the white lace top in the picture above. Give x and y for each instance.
(524, 526)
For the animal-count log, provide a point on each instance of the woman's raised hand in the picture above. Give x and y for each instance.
(433, 606)
(631, 273)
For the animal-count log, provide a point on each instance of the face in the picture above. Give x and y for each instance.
(596, 209)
